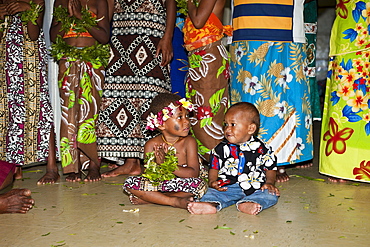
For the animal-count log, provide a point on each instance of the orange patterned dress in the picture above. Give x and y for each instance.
(207, 82)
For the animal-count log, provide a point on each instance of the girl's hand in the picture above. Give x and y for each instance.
(74, 8)
(160, 151)
(16, 7)
(165, 48)
(271, 188)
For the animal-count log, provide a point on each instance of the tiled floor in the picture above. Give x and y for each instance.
(309, 213)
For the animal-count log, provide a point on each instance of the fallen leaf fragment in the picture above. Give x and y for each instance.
(135, 210)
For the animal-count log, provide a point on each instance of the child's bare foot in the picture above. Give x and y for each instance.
(201, 208)
(281, 175)
(131, 167)
(49, 178)
(16, 201)
(73, 177)
(18, 173)
(337, 180)
(137, 201)
(250, 208)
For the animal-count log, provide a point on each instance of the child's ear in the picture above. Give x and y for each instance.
(161, 128)
(252, 128)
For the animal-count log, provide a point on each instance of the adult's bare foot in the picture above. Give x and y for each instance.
(306, 164)
(281, 175)
(201, 208)
(137, 201)
(131, 167)
(73, 177)
(337, 180)
(93, 175)
(49, 177)
(181, 202)
(16, 201)
(251, 208)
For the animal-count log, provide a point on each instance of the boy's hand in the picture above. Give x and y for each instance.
(271, 188)
(216, 185)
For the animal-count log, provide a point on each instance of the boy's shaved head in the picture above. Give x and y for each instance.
(250, 110)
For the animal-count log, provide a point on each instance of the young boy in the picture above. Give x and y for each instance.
(169, 114)
(243, 168)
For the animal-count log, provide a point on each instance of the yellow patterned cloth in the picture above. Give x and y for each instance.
(211, 32)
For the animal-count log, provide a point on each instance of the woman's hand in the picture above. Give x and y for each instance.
(74, 8)
(16, 7)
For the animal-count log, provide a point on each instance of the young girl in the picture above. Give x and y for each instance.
(207, 85)
(169, 114)
(79, 30)
(26, 116)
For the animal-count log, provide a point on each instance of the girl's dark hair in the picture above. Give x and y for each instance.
(162, 100)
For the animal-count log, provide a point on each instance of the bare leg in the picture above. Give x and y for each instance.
(51, 175)
(131, 167)
(202, 208)
(250, 208)
(94, 173)
(162, 199)
(16, 201)
(281, 175)
(18, 173)
(138, 201)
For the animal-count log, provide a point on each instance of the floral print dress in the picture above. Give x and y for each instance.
(345, 133)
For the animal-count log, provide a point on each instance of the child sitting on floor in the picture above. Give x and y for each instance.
(173, 151)
(243, 168)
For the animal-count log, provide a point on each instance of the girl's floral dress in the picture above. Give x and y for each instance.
(345, 133)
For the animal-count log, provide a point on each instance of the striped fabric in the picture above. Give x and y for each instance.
(266, 20)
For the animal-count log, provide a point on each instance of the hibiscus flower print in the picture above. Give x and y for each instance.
(300, 146)
(336, 139)
(204, 112)
(250, 146)
(363, 172)
(286, 78)
(230, 167)
(281, 109)
(253, 179)
(251, 85)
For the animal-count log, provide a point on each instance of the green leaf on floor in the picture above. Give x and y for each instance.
(114, 183)
(45, 234)
(288, 221)
(189, 227)
(119, 222)
(348, 198)
(350, 208)
(33, 171)
(255, 232)
(181, 220)
(232, 233)
(87, 194)
(222, 227)
(342, 237)
(121, 204)
(331, 195)
(340, 204)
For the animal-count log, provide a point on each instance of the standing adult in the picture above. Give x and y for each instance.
(268, 60)
(141, 39)
(26, 117)
(345, 132)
